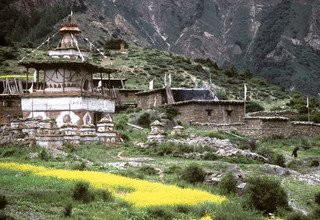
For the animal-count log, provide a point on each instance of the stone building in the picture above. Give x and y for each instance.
(167, 95)
(194, 105)
(210, 111)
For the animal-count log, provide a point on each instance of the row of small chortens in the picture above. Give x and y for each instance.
(46, 133)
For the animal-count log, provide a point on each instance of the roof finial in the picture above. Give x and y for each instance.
(70, 16)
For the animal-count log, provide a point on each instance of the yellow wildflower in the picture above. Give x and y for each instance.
(142, 193)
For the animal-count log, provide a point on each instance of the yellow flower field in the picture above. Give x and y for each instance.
(140, 193)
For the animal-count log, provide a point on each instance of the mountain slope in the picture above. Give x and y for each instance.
(276, 39)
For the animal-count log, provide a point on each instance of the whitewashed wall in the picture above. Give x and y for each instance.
(67, 103)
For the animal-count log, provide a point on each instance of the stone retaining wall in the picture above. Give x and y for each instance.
(268, 127)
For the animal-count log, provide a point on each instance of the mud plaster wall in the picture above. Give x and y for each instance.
(128, 96)
(151, 100)
(218, 113)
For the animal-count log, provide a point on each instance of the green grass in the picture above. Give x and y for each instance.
(49, 196)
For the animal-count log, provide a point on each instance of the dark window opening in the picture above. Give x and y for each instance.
(209, 112)
(97, 116)
(7, 104)
(229, 111)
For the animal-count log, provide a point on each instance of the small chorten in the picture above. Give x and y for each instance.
(105, 131)
(178, 130)
(49, 135)
(157, 133)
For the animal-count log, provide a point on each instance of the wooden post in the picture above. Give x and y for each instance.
(101, 84)
(64, 79)
(44, 82)
(37, 79)
(27, 83)
(81, 85)
(109, 85)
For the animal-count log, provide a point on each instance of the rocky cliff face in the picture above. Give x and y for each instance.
(277, 39)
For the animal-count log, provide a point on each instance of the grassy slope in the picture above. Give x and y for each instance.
(140, 65)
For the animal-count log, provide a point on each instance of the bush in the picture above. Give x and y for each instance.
(172, 169)
(106, 195)
(279, 160)
(315, 163)
(81, 193)
(3, 201)
(120, 122)
(44, 155)
(67, 210)
(144, 120)
(193, 174)
(233, 210)
(79, 166)
(274, 158)
(171, 113)
(228, 184)
(317, 198)
(266, 152)
(164, 213)
(148, 170)
(125, 137)
(210, 156)
(254, 107)
(266, 194)
(296, 216)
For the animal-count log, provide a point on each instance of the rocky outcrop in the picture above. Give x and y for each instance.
(221, 147)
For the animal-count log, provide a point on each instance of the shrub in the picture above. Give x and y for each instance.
(210, 156)
(3, 201)
(317, 198)
(296, 216)
(233, 210)
(120, 122)
(124, 137)
(44, 155)
(79, 166)
(315, 213)
(314, 163)
(81, 193)
(172, 169)
(164, 213)
(228, 184)
(106, 195)
(254, 107)
(148, 170)
(279, 160)
(252, 145)
(265, 194)
(171, 113)
(265, 151)
(144, 120)
(67, 210)
(193, 174)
